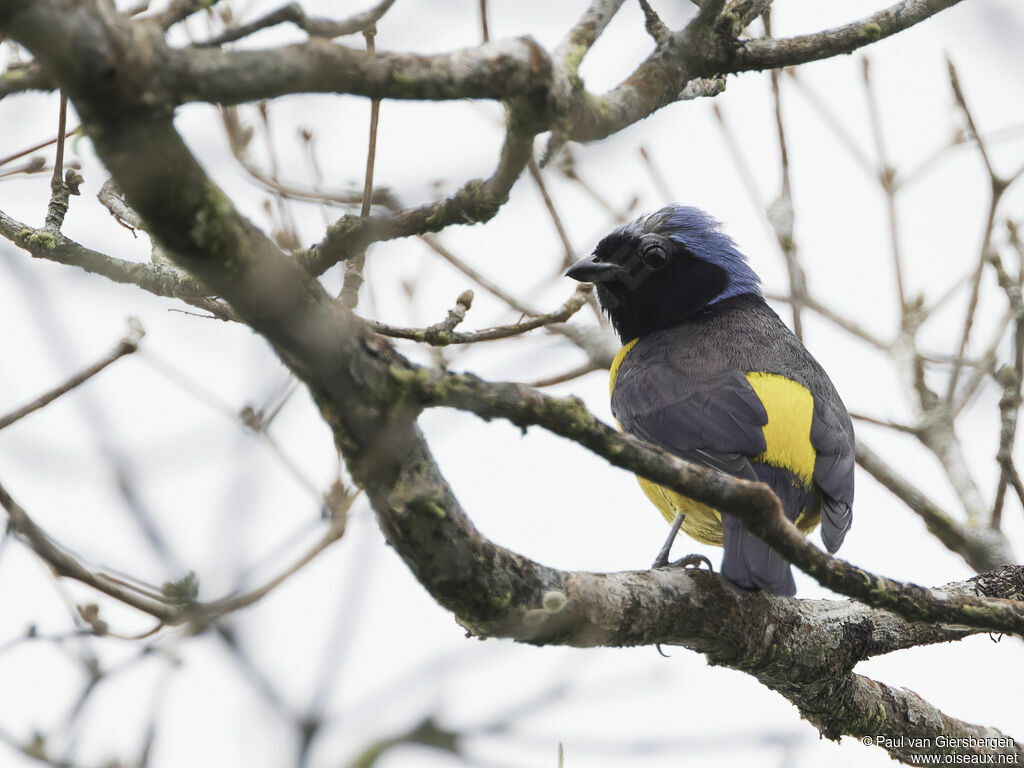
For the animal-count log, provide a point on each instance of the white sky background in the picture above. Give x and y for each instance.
(355, 621)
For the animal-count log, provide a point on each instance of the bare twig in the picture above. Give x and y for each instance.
(441, 334)
(126, 346)
(61, 189)
(222, 606)
(569, 256)
(239, 137)
(657, 177)
(65, 565)
(315, 27)
(739, 160)
(834, 123)
(179, 10)
(484, 33)
(982, 548)
(908, 430)
(477, 200)
(36, 147)
(781, 214)
(998, 186)
(887, 180)
(1009, 378)
(832, 316)
(572, 373)
(355, 264)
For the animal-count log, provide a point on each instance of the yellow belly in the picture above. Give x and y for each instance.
(704, 523)
(790, 409)
(701, 522)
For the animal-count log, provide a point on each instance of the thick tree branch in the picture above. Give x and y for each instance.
(769, 53)
(753, 503)
(707, 47)
(25, 77)
(370, 395)
(499, 70)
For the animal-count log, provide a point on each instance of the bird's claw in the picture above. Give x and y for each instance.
(692, 561)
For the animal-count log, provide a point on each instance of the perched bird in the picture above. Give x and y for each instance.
(711, 374)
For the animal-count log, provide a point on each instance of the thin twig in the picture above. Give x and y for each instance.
(484, 33)
(440, 336)
(61, 189)
(739, 160)
(884, 423)
(834, 123)
(315, 27)
(832, 316)
(222, 606)
(37, 147)
(781, 214)
(179, 10)
(657, 177)
(887, 180)
(63, 564)
(349, 297)
(480, 279)
(126, 346)
(999, 186)
(569, 256)
(1009, 379)
(572, 373)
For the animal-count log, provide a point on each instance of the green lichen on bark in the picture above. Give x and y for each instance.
(216, 228)
(42, 239)
(869, 33)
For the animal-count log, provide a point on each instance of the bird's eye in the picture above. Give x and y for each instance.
(653, 254)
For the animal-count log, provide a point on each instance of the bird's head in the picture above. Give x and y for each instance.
(663, 268)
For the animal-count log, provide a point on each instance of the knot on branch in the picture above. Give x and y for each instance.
(1006, 582)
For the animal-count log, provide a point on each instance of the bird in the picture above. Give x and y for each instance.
(710, 373)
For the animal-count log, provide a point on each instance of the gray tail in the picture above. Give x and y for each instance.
(750, 563)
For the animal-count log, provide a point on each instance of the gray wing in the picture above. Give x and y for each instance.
(832, 438)
(716, 422)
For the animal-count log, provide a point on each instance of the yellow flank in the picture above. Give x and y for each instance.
(617, 363)
(787, 434)
(702, 522)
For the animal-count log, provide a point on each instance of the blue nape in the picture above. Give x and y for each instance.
(701, 235)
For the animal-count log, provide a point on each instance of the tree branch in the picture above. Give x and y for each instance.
(753, 503)
(478, 200)
(982, 548)
(128, 345)
(441, 334)
(370, 396)
(769, 53)
(499, 70)
(315, 27)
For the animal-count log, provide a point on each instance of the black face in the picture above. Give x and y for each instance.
(648, 282)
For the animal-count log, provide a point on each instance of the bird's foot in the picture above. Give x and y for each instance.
(692, 561)
(662, 559)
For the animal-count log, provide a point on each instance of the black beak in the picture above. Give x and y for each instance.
(590, 270)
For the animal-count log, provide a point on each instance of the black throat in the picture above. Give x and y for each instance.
(662, 300)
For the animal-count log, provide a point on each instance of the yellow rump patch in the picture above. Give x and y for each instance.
(790, 408)
(787, 434)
